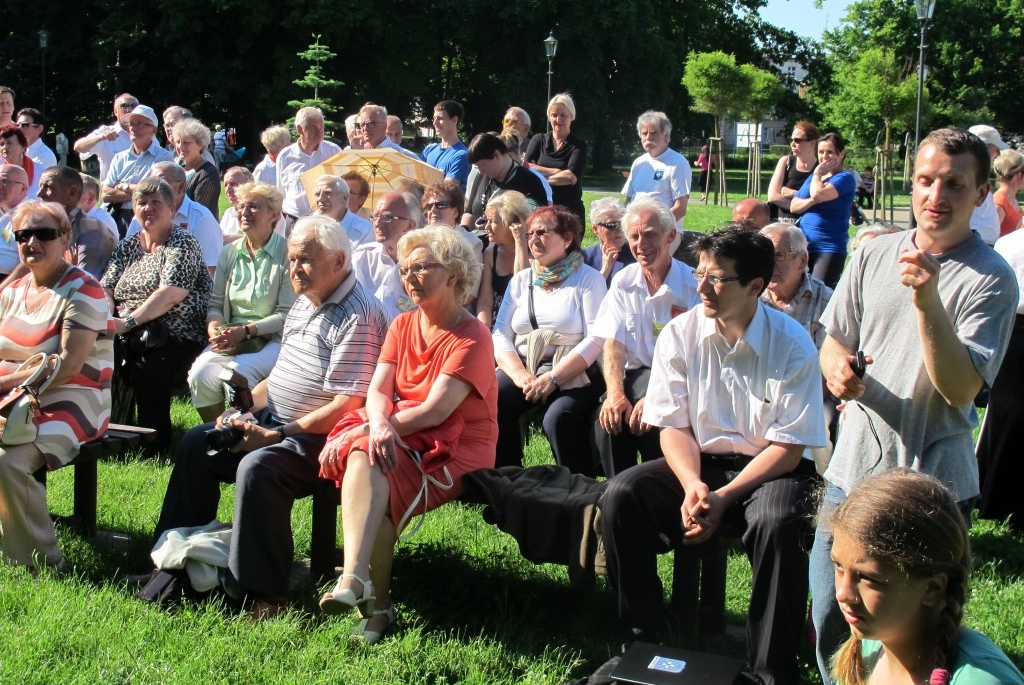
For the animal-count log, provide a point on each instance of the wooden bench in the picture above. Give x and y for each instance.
(116, 441)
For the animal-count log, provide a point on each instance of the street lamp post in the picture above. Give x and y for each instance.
(550, 48)
(924, 8)
(44, 39)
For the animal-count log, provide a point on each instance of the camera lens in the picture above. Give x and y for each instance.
(223, 438)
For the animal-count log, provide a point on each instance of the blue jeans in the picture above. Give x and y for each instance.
(830, 627)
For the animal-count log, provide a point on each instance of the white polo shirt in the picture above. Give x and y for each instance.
(634, 316)
(292, 162)
(766, 388)
(379, 274)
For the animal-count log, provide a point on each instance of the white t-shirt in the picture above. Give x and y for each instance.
(666, 177)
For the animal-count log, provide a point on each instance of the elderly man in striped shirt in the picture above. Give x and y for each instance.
(331, 340)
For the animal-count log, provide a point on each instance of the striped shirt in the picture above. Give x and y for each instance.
(326, 351)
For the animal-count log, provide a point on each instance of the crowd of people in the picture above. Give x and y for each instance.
(716, 382)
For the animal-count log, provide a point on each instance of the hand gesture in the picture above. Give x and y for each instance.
(841, 379)
(921, 273)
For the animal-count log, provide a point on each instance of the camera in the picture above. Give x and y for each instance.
(240, 397)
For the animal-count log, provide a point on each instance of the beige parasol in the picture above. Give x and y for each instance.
(383, 168)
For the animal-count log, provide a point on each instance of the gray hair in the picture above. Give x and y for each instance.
(90, 185)
(169, 171)
(412, 205)
(350, 122)
(452, 249)
(275, 139)
(566, 100)
(523, 114)
(666, 221)
(325, 231)
(797, 239)
(379, 111)
(653, 118)
(154, 185)
(336, 183)
(194, 129)
(602, 209)
(249, 178)
(868, 231)
(303, 116)
(177, 112)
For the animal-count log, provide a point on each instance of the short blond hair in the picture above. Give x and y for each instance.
(275, 139)
(566, 100)
(273, 196)
(452, 249)
(510, 207)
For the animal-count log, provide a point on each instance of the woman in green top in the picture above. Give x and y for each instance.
(902, 564)
(251, 297)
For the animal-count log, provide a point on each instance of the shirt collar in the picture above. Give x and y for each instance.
(755, 336)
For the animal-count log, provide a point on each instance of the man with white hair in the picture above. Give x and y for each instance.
(376, 264)
(130, 166)
(372, 123)
(274, 139)
(189, 216)
(317, 379)
(643, 297)
(107, 141)
(792, 290)
(985, 219)
(332, 200)
(88, 204)
(518, 119)
(304, 154)
(660, 173)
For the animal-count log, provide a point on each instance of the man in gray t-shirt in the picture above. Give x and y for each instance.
(931, 309)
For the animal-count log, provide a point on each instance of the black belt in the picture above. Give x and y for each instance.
(737, 462)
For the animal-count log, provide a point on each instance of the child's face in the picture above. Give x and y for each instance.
(876, 598)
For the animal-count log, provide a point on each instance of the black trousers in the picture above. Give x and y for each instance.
(640, 519)
(618, 452)
(267, 483)
(568, 418)
(153, 377)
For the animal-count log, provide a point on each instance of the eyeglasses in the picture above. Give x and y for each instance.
(439, 205)
(714, 280)
(366, 124)
(783, 256)
(387, 217)
(801, 140)
(250, 207)
(127, 106)
(611, 225)
(418, 269)
(44, 234)
(6, 182)
(27, 124)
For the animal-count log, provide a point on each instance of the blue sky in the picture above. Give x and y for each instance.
(802, 17)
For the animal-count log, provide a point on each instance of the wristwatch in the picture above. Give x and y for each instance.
(130, 323)
(280, 433)
(554, 378)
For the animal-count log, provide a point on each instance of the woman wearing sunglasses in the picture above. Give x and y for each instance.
(56, 309)
(793, 169)
(610, 254)
(543, 347)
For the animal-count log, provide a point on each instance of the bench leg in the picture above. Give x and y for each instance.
(86, 482)
(323, 544)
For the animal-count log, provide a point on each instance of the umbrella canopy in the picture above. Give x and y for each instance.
(383, 168)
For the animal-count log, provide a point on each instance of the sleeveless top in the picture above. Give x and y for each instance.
(792, 179)
(499, 284)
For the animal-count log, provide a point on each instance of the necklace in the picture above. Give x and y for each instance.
(36, 296)
(431, 332)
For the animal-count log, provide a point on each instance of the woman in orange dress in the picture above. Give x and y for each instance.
(439, 361)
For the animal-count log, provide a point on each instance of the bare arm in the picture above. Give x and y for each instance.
(159, 303)
(88, 142)
(678, 207)
(485, 300)
(616, 409)
(775, 189)
(122, 192)
(75, 346)
(946, 359)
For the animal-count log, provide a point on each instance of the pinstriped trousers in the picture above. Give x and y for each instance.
(641, 518)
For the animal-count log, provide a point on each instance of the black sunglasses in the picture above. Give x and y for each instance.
(41, 234)
(611, 225)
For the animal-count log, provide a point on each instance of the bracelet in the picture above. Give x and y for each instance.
(554, 378)
(248, 336)
(130, 323)
(280, 434)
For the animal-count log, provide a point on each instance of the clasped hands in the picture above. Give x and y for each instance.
(618, 414)
(535, 388)
(702, 512)
(224, 339)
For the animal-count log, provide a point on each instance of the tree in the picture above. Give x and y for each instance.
(316, 54)
(763, 94)
(718, 87)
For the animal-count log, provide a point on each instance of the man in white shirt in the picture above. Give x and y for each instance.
(87, 203)
(107, 141)
(189, 216)
(131, 165)
(33, 125)
(13, 190)
(395, 129)
(332, 200)
(304, 154)
(274, 139)
(373, 122)
(985, 219)
(642, 299)
(736, 391)
(661, 173)
(376, 264)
